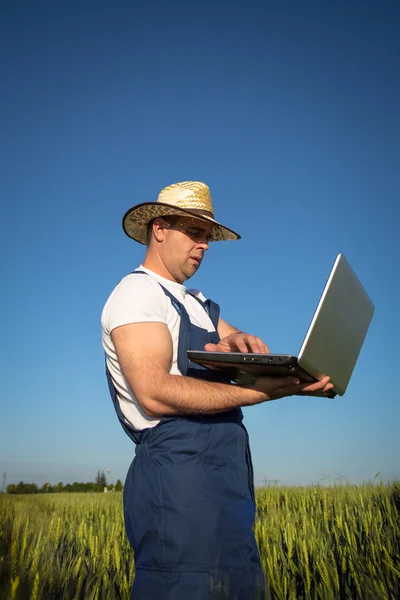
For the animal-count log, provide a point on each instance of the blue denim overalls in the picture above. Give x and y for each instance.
(189, 496)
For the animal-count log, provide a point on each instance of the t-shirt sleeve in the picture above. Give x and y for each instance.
(137, 299)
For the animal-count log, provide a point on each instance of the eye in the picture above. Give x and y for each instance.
(198, 234)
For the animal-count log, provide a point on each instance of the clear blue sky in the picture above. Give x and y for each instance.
(290, 112)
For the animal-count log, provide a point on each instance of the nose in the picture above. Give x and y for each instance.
(203, 245)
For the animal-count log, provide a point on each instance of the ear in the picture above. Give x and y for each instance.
(159, 226)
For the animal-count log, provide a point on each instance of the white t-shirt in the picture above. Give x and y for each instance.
(140, 299)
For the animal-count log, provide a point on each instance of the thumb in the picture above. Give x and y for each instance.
(211, 348)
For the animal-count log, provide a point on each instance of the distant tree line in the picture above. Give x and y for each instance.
(99, 485)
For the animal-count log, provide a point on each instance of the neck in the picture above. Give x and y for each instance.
(154, 262)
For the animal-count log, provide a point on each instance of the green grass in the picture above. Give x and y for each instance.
(315, 543)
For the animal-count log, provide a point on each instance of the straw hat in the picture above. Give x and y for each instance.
(187, 198)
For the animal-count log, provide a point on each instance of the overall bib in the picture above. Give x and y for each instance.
(189, 501)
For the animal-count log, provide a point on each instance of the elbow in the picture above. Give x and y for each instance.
(149, 396)
(151, 407)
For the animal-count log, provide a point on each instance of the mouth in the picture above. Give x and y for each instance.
(196, 260)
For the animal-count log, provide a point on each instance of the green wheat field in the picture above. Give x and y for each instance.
(315, 542)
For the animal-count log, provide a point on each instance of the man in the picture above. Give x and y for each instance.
(189, 500)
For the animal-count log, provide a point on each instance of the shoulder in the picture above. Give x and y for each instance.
(135, 283)
(136, 298)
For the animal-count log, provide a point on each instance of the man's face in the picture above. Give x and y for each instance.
(185, 242)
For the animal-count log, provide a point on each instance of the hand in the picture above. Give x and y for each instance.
(239, 342)
(279, 387)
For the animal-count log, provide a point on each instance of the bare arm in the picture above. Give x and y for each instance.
(224, 329)
(144, 352)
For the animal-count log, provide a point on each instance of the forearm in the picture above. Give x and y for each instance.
(175, 395)
(225, 329)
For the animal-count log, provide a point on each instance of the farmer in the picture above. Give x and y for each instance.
(189, 494)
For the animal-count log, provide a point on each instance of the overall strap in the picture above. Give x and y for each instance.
(211, 308)
(186, 329)
(180, 309)
(134, 434)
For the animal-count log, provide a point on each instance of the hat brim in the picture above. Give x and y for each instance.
(137, 218)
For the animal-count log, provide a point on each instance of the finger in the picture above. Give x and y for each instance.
(256, 345)
(236, 343)
(328, 387)
(220, 347)
(252, 343)
(307, 388)
(217, 347)
(263, 347)
(241, 345)
(211, 348)
(316, 386)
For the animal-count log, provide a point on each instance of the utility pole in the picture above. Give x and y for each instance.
(3, 485)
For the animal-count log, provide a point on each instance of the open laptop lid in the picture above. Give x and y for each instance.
(338, 328)
(332, 343)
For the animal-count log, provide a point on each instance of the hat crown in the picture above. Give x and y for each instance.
(193, 195)
(186, 198)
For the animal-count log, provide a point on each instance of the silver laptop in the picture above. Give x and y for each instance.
(331, 346)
